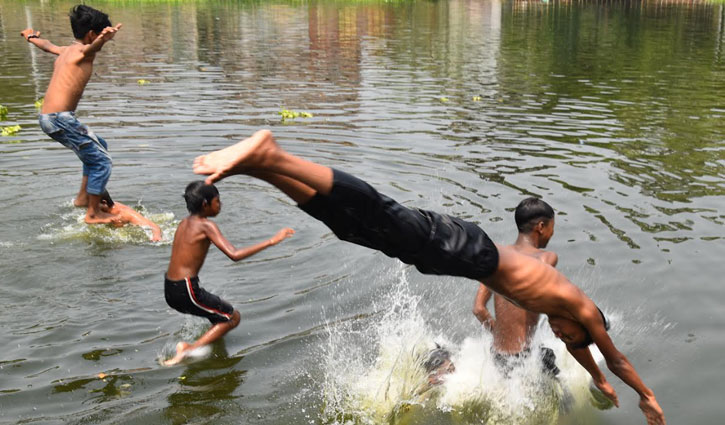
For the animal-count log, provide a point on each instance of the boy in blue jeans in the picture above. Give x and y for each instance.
(71, 72)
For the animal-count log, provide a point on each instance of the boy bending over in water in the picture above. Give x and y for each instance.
(191, 244)
(435, 244)
(72, 70)
(127, 215)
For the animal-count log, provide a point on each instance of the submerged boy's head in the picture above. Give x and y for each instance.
(85, 18)
(106, 199)
(530, 213)
(198, 194)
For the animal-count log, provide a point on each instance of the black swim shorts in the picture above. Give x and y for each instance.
(434, 243)
(507, 362)
(186, 296)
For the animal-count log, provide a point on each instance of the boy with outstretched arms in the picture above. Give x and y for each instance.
(71, 72)
(435, 244)
(191, 244)
(127, 215)
(513, 327)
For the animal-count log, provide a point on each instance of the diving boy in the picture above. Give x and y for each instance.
(191, 244)
(127, 215)
(71, 72)
(513, 328)
(435, 244)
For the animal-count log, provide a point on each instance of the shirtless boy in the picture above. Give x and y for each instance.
(71, 72)
(191, 244)
(434, 244)
(127, 215)
(513, 328)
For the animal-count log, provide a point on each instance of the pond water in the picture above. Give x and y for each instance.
(613, 112)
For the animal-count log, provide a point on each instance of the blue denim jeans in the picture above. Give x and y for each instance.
(92, 150)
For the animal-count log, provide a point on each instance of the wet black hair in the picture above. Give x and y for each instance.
(588, 337)
(85, 18)
(529, 212)
(106, 198)
(196, 193)
(436, 358)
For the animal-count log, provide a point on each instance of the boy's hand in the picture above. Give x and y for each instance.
(28, 32)
(281, 235)
(607, 389)
(652, 411)
(109, 32)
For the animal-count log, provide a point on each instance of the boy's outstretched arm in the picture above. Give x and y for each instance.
(216, 237)
(106, 35)
(620, 365)
(33, 37)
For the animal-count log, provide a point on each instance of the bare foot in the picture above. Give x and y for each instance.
(100, 217)
(80, 202)
(249, 153)
(182, 349)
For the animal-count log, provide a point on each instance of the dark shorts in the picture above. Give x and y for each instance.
(434, 243)
(188, 297)
(507, 362)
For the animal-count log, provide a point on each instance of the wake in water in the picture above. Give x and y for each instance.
(70, 226)
(374, 374)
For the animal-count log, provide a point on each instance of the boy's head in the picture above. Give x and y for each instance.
(198, 195)
(85, 18)
(106, 199)
(572, 333)
(534, 214)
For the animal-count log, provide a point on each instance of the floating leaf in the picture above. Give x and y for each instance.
(476, 98)
(10, 130)
(290, 115)
(143, 82)
(39, 103)
(443, 99)
(3, 112)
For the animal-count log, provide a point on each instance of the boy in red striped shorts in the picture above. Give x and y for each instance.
(191, 244)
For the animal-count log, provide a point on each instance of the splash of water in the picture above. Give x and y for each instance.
(70, 226)
(374, 374)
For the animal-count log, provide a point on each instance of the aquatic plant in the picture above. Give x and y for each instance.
(10, 130)
(3, 112)
(444, 99)
(476, 98)
(143, 82)
(39, 103)
(290, 115)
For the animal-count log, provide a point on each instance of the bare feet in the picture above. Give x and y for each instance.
(252, 152)
(182, 350)
(80, 202)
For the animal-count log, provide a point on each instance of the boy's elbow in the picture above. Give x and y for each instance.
(617, 363)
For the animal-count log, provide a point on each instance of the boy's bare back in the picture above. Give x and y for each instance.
(71, 72)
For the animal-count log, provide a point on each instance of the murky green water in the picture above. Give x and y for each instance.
(613, 112)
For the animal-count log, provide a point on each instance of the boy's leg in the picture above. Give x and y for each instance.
(214, 333)
(98, 163)
(82, 197)
(261, 153)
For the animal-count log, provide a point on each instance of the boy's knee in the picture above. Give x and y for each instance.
(264, 133)
(236, 318)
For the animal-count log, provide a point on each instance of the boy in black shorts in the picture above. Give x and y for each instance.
(191, 244)
(435, 244)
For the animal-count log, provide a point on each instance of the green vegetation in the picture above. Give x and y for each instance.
(3, 112)
(143, 82)
(39, 103)
(10, 130)
(290, 115)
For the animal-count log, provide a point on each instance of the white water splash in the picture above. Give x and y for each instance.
(374, 374)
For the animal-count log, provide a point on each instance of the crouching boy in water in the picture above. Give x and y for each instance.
(191, 244)
(71, 72)
(127, 215)
(435, 244)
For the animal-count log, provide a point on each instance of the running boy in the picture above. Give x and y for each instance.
(71, 72)
(191, 244)
(435, 244)
(513, 328)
